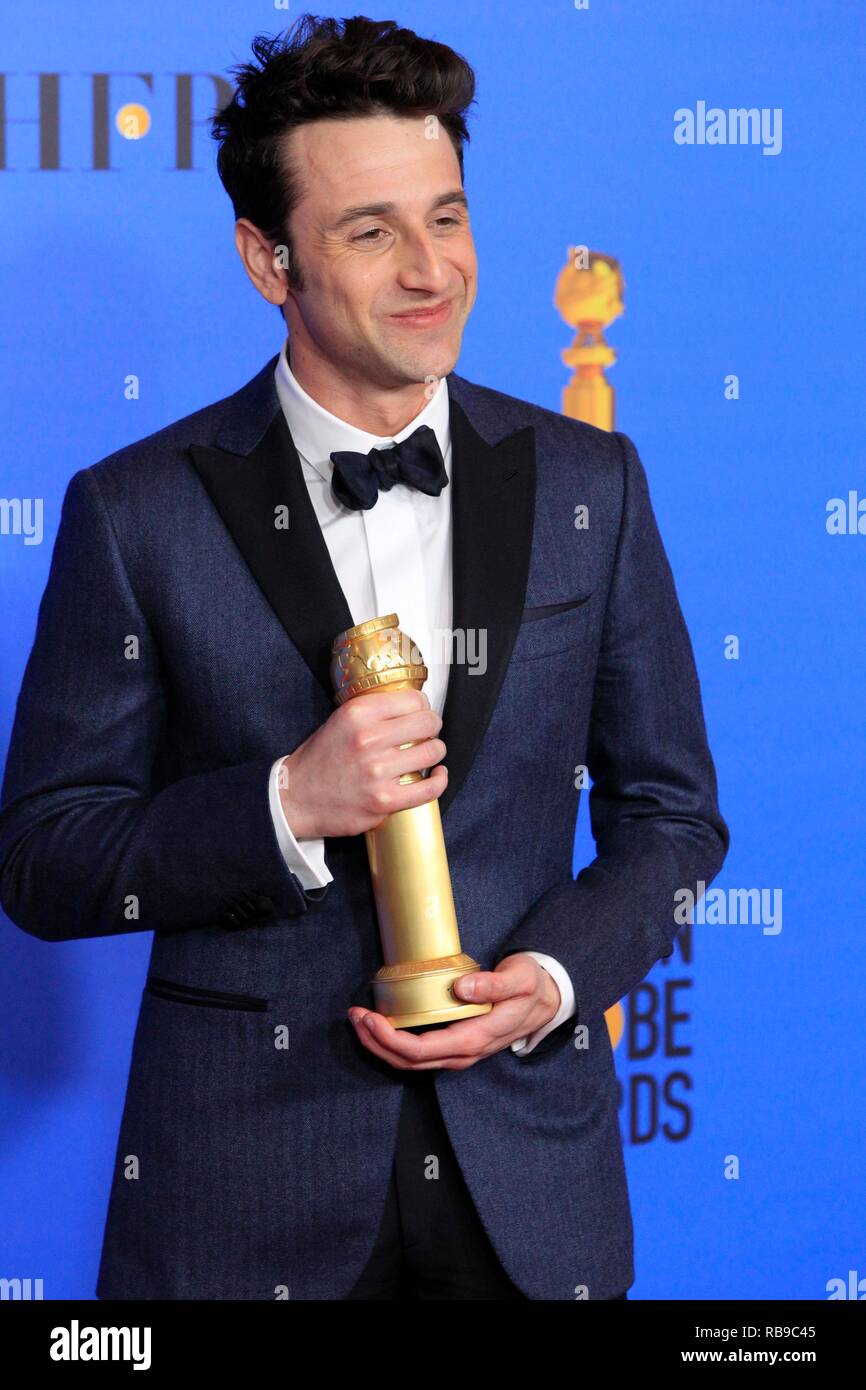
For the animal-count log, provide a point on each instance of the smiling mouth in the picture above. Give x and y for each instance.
(422, 317)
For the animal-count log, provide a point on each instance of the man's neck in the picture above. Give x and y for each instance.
(380, 413)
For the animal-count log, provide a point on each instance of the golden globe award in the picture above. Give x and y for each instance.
(589, 295)
(408, 864)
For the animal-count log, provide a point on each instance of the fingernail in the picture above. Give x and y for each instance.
(368, 1019)
(467, 988)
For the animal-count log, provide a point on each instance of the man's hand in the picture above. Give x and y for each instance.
(523, 995)
(345, 778)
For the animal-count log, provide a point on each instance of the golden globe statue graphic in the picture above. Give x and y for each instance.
(589, 295)
(409, 868)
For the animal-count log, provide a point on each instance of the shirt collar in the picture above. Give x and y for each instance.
(317, 434)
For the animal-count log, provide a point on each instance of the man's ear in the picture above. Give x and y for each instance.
(262, 261)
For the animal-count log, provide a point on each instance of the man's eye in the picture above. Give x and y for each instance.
(374, 234)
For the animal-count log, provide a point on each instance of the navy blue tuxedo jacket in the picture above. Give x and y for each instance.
(136, 799)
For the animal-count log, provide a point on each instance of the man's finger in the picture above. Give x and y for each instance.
(458, 1039)
(450, 1063)
(460, 1063)
(464, 1038)
(368, 1040)
(489, 986)
(469, 1037)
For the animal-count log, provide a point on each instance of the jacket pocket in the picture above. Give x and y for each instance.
(547, 610)
(206, 998)
(551, 628)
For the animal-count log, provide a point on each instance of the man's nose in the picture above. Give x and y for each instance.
(421, 263)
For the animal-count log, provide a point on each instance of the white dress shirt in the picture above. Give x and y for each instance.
(393, 558)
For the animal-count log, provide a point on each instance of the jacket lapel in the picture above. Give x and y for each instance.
(492, 514)
(253, 470)
(248, 482)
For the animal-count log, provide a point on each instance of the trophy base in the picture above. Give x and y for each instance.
(415, 993)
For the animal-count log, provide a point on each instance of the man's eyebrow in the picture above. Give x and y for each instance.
(456, 195)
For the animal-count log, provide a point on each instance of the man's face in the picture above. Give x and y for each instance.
(370, 276)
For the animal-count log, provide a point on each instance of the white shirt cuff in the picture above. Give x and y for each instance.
(305, 858)
(523, 1046)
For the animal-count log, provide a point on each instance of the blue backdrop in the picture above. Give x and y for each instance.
(741, 1060)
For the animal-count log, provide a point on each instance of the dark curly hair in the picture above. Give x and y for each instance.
(323, 68)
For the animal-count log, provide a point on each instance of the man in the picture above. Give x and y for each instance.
(177, 764)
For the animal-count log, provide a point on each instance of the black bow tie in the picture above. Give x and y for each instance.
(416, 461)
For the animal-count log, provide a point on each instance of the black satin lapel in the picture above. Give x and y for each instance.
(292, 566)
(492, 517)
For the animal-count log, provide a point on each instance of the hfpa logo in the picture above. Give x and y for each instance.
(45, 100)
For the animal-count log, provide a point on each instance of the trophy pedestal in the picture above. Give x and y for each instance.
(415, 992)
